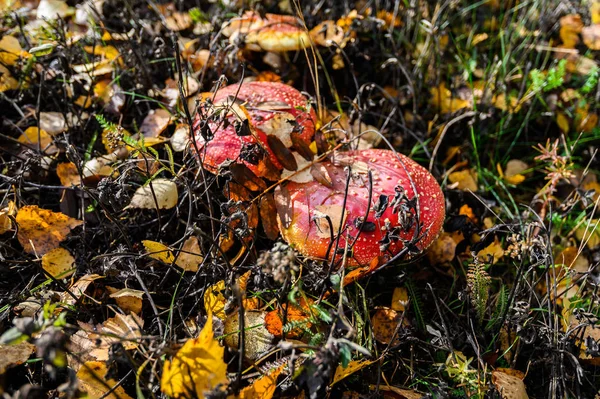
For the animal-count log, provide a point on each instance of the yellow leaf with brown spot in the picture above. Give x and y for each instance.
(159, 251)
(214, 300)
(92, 379)
(385, 322)
(353, 367)
(197, 368)
(41, 230)
(59, 263)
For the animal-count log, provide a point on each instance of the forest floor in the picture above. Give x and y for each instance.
(127, 264)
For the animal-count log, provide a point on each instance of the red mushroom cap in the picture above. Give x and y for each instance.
(379, 228)
(269, 33)
(271, 108)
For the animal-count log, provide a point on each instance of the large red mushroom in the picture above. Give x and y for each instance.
(360, 206)
(255, 120)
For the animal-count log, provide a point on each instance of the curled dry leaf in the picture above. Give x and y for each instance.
(6, 215)
(155, 123)
(78, 289)
(257, 339)
(59, 263)
(53, 123)
(41, 230)
(92, 377)
(197, 368)
(164, 190)
(14, 355)
(129, 300)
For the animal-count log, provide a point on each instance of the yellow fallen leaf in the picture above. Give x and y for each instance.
(494, 250)
(59, 263)
(400, 299)
(197, 368)
(588, 233)
(570, 27)
(92, 379)
(353, 367)
(262, 388)
(512, 174)
(41, 230)
(159, 251)
(441, 98)
(11, 51)
(214, 300)
(595, 11)
(506, 103)
(68, 174)
(6, 215)
(464, 180)
(32, 136)
(385, 321)
(7, 82)
(108, 52)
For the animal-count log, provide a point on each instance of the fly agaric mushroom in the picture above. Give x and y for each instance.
(258, 115)
(364, 201)
(269, 33)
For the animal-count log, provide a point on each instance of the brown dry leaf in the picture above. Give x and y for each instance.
(294, 314)
(32, 136)
(59, 263)
(572, 259)
(257, 339)
(509, 386)
(78, 289)
(214, 300)
(41, 230)
(399, 393)
(7, 82)
(159, 251)
(190, 257)
(353, 367)
(591, 36)
(324, 214)
(442, 250)
(570, 27)
(441, 98)
(514, 171)
(262, 388)
(92, 379)
(400, 299)
(129, 300)
(493, 250)
(165, 191)
(155, 123)
(14, 355)
(53, 123)
(198, 367)
(247, 178)
(302, 174)
(385, 322)
(178, 21)
(465, 180)
(68, 174)
(268, 216)
(125, 329)
(6, 215)
(11, 51)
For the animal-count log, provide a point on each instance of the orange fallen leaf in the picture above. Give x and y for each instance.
(400, 299)
(385, 321)
(41, 230)
(264, 387)
(464, 180)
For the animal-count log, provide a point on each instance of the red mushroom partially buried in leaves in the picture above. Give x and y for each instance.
(252, 120)
(375, 203)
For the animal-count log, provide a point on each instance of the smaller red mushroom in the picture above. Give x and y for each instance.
(375, 203)
(252, 120)
(269, 33)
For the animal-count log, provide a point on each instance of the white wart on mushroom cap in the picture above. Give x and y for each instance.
(390, 202)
